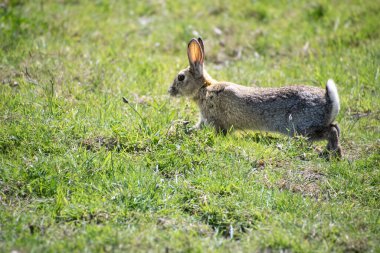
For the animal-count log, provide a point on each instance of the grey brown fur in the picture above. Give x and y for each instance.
(305, 110)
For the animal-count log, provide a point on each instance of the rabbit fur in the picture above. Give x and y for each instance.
(304, 110)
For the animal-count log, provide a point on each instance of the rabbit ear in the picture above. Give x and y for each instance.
(195, 55)
(200, 41)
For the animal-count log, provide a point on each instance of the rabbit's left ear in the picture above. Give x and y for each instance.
(195, 55)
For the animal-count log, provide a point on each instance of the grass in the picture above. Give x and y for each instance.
(82, 171)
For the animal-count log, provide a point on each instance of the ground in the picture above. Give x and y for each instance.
(82, 170)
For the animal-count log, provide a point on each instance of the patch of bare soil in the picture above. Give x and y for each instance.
(94, 144)
(355, 151)
(112, 143)
(306, 182)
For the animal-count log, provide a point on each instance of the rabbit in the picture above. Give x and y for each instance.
(291, 110)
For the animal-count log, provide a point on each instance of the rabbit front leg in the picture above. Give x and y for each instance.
(200, 124)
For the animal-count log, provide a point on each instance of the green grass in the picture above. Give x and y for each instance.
(82, 171)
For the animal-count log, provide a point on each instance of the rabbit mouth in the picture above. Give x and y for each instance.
(173, 91)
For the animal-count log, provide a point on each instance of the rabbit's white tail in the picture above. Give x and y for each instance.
(332, 93)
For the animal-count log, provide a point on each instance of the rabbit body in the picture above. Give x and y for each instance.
(305, 110)
(288, 110)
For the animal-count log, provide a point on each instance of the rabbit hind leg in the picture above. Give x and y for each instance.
(333, 146)
(330, 133)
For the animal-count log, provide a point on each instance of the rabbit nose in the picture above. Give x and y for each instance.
(173, 91)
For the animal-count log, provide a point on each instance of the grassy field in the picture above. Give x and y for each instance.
(82, 171)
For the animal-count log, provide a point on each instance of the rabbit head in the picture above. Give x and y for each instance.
(189, 80)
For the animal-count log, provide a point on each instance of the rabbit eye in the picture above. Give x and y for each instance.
(181, 77)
